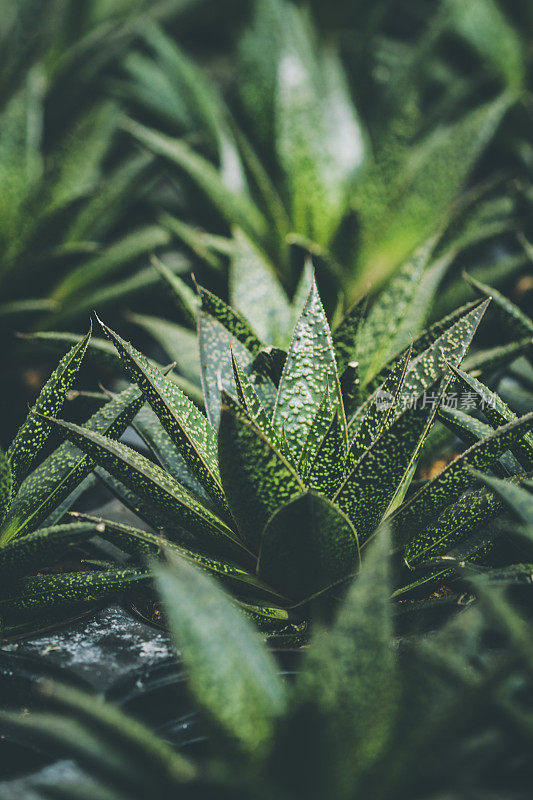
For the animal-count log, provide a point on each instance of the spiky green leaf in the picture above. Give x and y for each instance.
(152, 432)
(454, 479)
(29, 553)
(185, 424)
(517, 498)
(6, 483)
(470, 430)
(378, 411)
(349, 676)
(319, 139)
(35, 430)
(184, 297)
(234, 207)
(453, 525)
(230, 319)
(309, 370)
(153, 483)
(378, 473)
(141, 543)
(382, 335)
(316, 433)
(498, 413)
(327, 468)
(444, 343)
(56, 479)
(180, 344)
(519, 324)
(44, 592)
(216, 347)
(251, 402)
(256, 292)
(345, 335)
(495, 358)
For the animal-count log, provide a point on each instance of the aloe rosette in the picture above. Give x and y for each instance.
(278, 488)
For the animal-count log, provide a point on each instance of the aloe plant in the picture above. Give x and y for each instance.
(423, 719)
(304, 453)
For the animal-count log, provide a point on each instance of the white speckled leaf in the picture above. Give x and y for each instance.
(185, 424)
(309, 368)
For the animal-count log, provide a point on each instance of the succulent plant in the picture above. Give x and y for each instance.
(364, 716)
(304, 454)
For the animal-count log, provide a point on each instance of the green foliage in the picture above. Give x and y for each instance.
(278, 493)
(366, 715)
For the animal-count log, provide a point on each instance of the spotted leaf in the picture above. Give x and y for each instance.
(53, 482)
(185, 424)
(498, 413)
(216, 347)
(35, 430)
(149, 481)
(6, 482)
(326, 470)
(152, 432)
(309, 369)
(470, 430)
(376, 412)
(346, 333)
(140, 544)
(251, 402)
(315, 436)
(26, 596)
(444, 343)
(230, 319)
(28, 553)
(382, 334)
(453, 480)
(518, 323)
(373, 481)
(234, 680)
(517, 498)
(453, 524)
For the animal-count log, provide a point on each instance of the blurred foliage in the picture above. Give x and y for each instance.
(351, 131)
(367, 714)
(355, 145)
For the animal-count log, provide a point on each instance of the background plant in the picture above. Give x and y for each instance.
(299, 168)
(75, 224)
